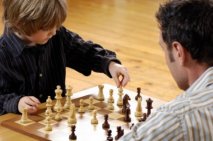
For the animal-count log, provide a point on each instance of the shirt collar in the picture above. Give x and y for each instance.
(204, 81)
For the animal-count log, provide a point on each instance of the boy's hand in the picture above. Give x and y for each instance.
(119, 73)
(30, 102)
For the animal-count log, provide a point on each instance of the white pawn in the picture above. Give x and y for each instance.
(68, 97)
(81, 108)
(72, 115)
(139, 112)
(110, 105)
(58, 107)
(110, 99)
(49, 106)
(24, 117)
(48, 126)
(94, 118)
(100, 93)
(120, 94)
(91, 106)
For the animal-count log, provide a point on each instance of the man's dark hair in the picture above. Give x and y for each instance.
(190, 22)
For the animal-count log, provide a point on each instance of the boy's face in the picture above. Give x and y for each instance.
(42, 36)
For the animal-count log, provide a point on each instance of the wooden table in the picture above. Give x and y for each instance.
(8, 134)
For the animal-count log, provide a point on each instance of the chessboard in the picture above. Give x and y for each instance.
(84, 130)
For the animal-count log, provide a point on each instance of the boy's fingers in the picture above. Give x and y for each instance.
(34, 99)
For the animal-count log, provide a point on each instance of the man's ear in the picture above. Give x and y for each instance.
(179, 52)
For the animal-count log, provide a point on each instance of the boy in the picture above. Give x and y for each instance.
(186, 39)
(35, 49)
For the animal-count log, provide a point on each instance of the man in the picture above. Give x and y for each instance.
(187, 41)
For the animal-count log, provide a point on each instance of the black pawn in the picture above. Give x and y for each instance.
(72, 136)
(138, 94)
(109, 133)
(105, 125)
(149, 106)
(120, 133)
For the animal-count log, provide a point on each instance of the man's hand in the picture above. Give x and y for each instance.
(119, 73)
(29, 102)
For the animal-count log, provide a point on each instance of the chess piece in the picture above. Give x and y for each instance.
(138, 94)
(120, 94)
(72, 115)
(126, 104)
(109, 133)
(127, 115)
(73, 136)
(58, 107)
(48, 126)
(68, 94)
(120, 132)
(91, 106)
(100, 93)
(143, 118)
(110, 105)
(105, 125)
(94, 118)
(49, 107)
(110, 99)
(24, 116)
(149, 106)
(139, 112)
(81, 108)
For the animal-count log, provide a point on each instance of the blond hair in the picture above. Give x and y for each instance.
(29, 16)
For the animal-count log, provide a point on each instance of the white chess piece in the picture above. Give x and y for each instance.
(48, 126)
(120, 94)
(81, 108)
(100, 93)
(91, 106)
(58, 106)
(49, 107)
(94, 118)
(139, 112)
(68, 94)
(110, 105)
(72, 115)
(24, 116)
(110, 99)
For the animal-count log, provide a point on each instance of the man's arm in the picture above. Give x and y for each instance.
(159, 126)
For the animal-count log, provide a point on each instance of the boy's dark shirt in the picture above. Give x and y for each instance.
(35, 71)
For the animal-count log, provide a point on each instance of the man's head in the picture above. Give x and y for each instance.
(186, 25)
(29, 16)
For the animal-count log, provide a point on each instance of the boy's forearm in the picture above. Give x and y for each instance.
(9, 103)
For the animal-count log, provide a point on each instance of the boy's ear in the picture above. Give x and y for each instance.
(179, 52)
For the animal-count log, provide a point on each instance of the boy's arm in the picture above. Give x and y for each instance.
(9, 103)
(85, 56)
(8, 99)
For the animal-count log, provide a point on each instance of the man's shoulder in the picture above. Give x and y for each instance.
(184, 104)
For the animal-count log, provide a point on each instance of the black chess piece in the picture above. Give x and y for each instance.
(149, 106)
(127, 115)
(109, 133)
(73, 136)
(105, 125)
(120, 133)
(138, 94)
(126, 104)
